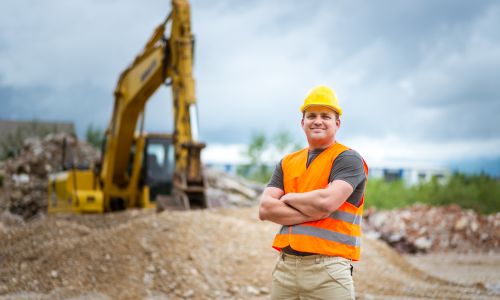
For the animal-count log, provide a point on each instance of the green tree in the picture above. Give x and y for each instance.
(94, 136)
(284, 144)
(255, 169)
(261, 150)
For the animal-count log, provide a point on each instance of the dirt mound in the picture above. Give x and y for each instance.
(135, 254)
(203, 254)
(424, 228)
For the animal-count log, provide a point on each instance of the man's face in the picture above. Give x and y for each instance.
(320, 125)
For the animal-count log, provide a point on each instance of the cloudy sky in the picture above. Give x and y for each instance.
(419, 81)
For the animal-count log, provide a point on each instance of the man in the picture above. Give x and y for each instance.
(317, 194)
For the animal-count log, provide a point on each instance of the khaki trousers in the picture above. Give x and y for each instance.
(312, 277)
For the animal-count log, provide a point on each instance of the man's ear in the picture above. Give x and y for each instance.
(338, 122)
(302, 122)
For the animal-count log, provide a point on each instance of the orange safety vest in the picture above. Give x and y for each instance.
(337, 235)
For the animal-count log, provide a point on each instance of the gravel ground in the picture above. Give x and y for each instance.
(201, 254)
(479, 269)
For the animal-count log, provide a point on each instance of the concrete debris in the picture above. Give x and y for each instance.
(25, 176)
(224, 190)
(422, 228)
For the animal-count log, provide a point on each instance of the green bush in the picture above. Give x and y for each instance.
(478, 192)
(260, 145)
(94, 136)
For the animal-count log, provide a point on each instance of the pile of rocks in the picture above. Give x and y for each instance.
(25, 176)
(423, 228)
(225, 190)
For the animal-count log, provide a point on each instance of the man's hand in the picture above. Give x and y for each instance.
(274, 210)
(319, 204)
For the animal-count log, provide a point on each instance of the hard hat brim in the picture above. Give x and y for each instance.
(335, 109)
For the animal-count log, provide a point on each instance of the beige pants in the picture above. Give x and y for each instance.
(312, 277)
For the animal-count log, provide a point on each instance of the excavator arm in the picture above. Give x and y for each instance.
(163, 60)
(136, 170)
(135, 86)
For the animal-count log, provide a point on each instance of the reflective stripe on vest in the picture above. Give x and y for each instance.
(323, 234)
(346, 217)
(337, 235)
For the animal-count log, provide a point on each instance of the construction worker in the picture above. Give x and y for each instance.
(317, 194)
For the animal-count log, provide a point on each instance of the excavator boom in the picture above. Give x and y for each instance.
(134, 164)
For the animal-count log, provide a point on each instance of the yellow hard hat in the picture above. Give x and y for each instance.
(324, 96)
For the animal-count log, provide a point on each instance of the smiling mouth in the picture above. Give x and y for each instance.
(317, 130)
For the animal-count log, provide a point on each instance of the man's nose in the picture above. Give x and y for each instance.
(317, 121)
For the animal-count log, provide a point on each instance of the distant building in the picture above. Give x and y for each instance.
(12, 133)
(227, 167)
(410, 173)
(229, 158)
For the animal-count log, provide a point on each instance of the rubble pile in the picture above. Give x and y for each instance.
(224, 190)
(423, 228)
(25, 176)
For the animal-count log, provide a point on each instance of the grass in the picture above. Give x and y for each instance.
(478, 192)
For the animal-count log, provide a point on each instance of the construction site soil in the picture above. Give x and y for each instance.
(218, 253)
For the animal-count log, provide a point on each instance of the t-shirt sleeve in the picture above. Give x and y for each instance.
(348, 166)
(277, 177)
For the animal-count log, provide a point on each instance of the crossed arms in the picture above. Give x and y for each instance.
(296, 208)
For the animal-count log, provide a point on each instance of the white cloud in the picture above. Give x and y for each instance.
(422, 77)
(388, 151)
(224, 154)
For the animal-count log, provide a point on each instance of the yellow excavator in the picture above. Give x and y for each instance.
(140, 169)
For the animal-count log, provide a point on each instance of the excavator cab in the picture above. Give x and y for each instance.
(159, 166)
(160, 184)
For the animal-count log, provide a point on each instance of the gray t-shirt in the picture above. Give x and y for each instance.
(348, 166)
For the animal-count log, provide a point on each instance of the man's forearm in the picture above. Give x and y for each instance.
(320, 203)
(311, 203)
(277, 211)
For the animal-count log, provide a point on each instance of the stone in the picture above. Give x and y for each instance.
(252, 290)
(460, 224)
(188, 294)
(423, 243)
(474, 226)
